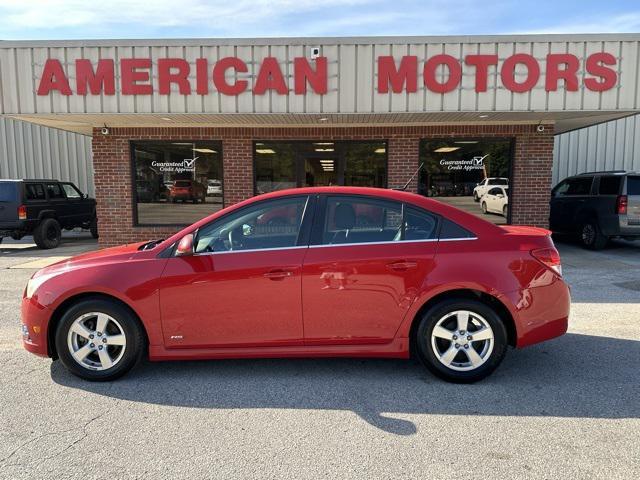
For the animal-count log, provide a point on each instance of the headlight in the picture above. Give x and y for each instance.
(34, 283)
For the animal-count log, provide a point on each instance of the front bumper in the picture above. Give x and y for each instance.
(35, 322)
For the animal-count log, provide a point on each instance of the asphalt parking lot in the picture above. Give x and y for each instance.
(569, 408)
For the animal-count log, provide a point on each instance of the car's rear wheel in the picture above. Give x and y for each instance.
(591, 237)
(99, 340)
(461, 340)
(47, 234)
(484, 207)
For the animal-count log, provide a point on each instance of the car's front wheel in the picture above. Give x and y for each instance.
(99, 340)
(461, 340)
(476, 198)
(484, 207)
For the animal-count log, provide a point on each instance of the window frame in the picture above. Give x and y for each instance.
(44, 191)
(302, 241)
(317, 233)
(135, 221)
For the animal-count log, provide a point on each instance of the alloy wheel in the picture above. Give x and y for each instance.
(96, 341)
(462, 340)
(588, 234)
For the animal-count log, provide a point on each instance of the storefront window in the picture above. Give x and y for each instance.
(177, 183)
(473, 175)
(280, 165)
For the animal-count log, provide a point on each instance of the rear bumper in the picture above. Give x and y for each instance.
(35, 321)
(541, 312)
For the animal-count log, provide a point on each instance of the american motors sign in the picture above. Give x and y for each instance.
(229, 75)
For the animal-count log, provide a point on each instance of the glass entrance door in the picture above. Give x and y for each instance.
(320, 172)
(280, 165)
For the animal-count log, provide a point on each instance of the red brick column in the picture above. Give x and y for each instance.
(403, 159)
(237, 161)
(531, 183)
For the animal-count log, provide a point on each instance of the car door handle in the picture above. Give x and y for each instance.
(402, 265)
(278, 274)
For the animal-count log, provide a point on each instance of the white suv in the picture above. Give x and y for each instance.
(484, 186)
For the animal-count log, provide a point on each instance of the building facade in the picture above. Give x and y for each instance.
(182, 128)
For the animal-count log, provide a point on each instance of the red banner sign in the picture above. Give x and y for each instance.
(561, 71)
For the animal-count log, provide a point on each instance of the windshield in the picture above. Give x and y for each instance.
(8, 191)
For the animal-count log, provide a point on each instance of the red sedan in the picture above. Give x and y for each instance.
(424, 278)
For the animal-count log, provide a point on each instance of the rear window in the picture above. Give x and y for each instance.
(183, 183)
(8, 191)
(498, 181)
(609, 185)
(633, 185)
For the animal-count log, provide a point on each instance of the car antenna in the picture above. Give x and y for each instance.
(403, 188)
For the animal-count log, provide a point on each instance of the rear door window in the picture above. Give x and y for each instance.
(419, 224)
(633, 185)
(452, 231)
(354, 219)
(35, 191)
(610, 185)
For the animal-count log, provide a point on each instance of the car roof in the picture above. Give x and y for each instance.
(29, 180)
(467, 220)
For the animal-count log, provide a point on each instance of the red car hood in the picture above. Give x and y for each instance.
(106, 255)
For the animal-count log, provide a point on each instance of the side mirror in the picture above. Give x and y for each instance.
(185, 246)
(85, 196)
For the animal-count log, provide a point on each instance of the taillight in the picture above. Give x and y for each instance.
(22, 212)
(549, 257)
(621, 205)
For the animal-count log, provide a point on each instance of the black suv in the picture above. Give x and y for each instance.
(42, 208)
(597, 206)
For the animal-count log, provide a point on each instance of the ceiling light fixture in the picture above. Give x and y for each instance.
(323, 143)
(446, 149)
(265, 150)
(324, 149)
(380, 150)
(483, 115)
(204, 150)
(323, 119)
(166, 119)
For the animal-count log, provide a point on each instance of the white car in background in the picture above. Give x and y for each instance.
(214, 188)
(484, 186)
(496, 200)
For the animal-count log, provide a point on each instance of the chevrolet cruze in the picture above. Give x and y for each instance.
(312, 272)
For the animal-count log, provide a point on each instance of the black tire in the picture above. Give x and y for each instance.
(47, 234)
(93, 228)
(591, 236)
(476, 198)
(134, 335)
(484, 208)
(505, 211)
(425, 350)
